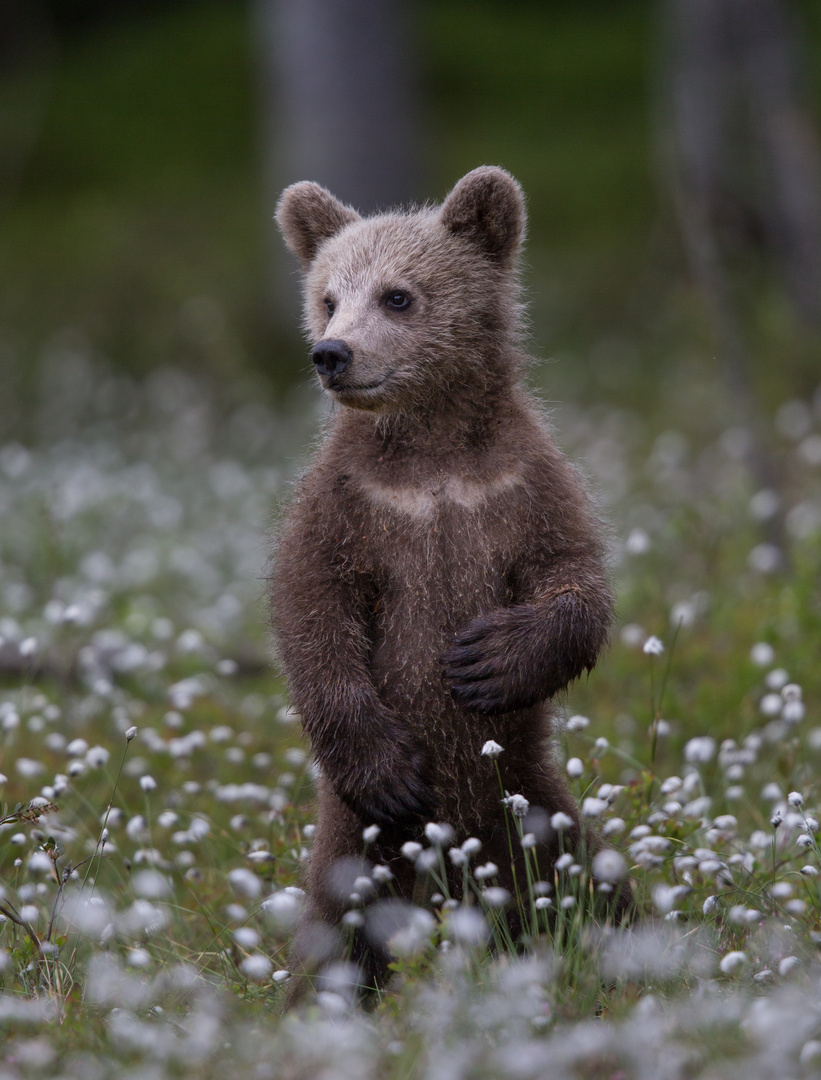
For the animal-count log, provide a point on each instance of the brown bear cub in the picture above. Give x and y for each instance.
(440, 575)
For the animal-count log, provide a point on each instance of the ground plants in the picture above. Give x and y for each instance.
(157, 796)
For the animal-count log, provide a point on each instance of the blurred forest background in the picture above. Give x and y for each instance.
(669, 150)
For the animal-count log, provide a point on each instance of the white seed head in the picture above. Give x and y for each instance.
(700, 750)
(491, 749)
(733, 962)
(517, 805)
(609, 865)
(561, 822)
(438, 833)
(762, 654)
(488, 870)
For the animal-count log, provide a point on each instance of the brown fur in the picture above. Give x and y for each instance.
(440, 575)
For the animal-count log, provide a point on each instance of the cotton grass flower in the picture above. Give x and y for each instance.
(518, 805)
(700, 750)
(491, 749)
(762, 654)
(438, 833)
(496, 897)
(733, 962)
(245, 882)
(411, 850)
(608, 865)
(246, 937)
(256, 967)
(577, 723)
(284, 907)
(488, 870)
(614, 826)
(561, 822)
(467, 926)
(593, 807)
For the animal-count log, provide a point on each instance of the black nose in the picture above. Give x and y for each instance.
(331, 357)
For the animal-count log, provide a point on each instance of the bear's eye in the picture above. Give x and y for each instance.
(330, 306)
(397, 300)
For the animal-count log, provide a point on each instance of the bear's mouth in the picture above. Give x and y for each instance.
(340, 386)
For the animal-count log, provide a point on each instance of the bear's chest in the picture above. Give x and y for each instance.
(440, 497)
(444, 539)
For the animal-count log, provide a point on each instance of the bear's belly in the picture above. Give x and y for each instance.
(434, 575)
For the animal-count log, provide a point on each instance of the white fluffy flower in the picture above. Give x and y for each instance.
(653, 646)
(488, 870)
(517, 805)
(246, 937)
(491, 749)
(733, 962)
(256, 967)
(496, 896)
(411, 849)
(438, 833)
(609, 865)
(561, 822)
(700, 750)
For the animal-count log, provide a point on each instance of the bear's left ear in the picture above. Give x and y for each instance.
(307, 214)
(487, 206)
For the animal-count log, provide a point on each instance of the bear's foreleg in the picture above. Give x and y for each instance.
(370, 756)
(513, 657)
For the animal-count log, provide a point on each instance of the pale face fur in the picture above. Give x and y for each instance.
(404, 359)
(454, 265)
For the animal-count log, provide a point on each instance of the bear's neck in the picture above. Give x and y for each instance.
(457, 425)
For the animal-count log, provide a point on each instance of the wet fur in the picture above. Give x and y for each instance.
(440, 575)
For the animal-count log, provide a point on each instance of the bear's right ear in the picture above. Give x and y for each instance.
(307, 214)
(487, 207)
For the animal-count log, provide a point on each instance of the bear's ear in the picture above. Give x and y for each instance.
(307, 214)
(487, 206)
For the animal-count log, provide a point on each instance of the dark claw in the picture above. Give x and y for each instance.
(407, 800)
(482, 669)
(471, 635)
(463, 654)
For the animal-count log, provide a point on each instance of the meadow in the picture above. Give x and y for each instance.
(157, 795)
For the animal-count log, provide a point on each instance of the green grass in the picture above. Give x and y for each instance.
(166, 948)
(132, 559)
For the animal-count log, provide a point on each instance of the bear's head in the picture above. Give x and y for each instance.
(407, 310)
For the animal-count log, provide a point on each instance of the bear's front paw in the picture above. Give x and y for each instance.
(401, 795)
(486, 667)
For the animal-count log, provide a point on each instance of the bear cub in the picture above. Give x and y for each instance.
(440, 575)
